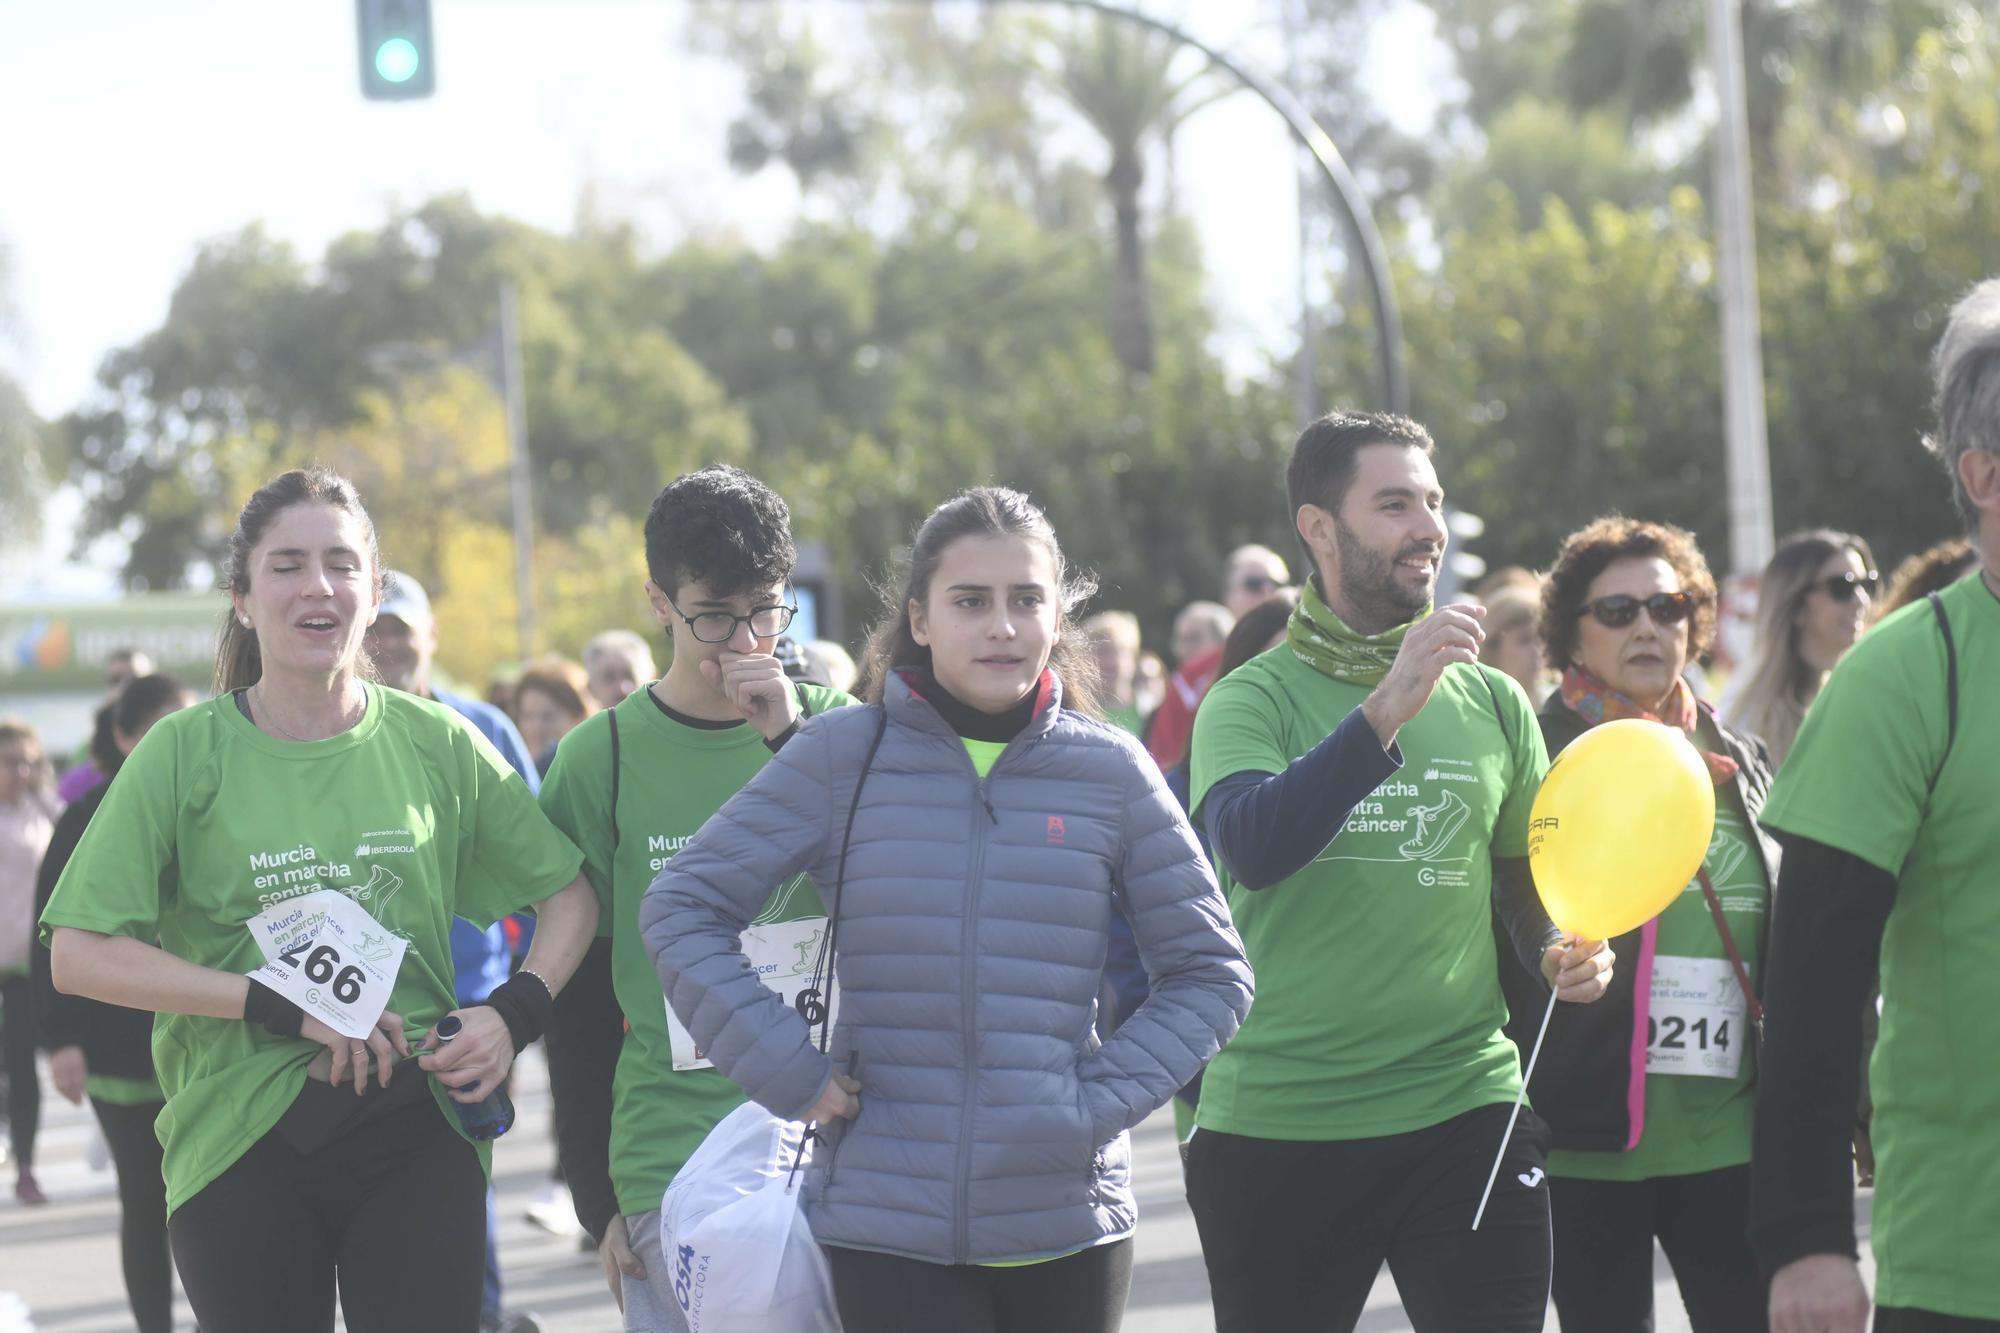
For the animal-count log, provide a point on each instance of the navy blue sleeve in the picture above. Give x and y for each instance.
(1266, 827)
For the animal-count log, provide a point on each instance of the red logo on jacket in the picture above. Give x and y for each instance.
(1055, 828)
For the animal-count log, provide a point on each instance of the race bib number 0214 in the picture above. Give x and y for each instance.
(326, 954)
(1696, 1024)
(783, 954)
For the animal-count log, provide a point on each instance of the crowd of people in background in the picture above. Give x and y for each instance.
(1319, 791)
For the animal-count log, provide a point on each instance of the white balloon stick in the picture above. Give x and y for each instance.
(1515, 1114)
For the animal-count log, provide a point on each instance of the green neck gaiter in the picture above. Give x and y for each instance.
(1325, 643)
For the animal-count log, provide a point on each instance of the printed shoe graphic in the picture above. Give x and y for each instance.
(1437, 825)
(1725, 857)
(375, 895)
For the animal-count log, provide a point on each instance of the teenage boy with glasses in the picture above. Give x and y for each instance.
(630, 786)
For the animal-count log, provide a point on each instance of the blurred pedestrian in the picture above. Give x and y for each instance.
(1649, 1093)
(617, 662)
(1200, 628)
(94, 766)
(105, 1051)
(1114, 641)
(551, 696)
(835, 663)
(1812, 604)
(1927, 572)
(1251, 575)
(1513, 637)
(28, 811)
(1886, 810)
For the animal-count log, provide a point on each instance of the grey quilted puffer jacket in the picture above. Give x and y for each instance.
(971, 943)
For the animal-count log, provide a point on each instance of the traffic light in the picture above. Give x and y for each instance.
(397, 59)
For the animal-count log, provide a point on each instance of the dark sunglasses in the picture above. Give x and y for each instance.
(1618, 610)
(1844, 587)
(1258, 583)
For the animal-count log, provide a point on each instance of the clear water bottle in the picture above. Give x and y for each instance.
(492, 1115)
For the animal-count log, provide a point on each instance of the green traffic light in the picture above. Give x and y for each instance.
(396, 60)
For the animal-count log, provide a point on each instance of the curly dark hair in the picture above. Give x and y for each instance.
(1598, 545)
(723, 527)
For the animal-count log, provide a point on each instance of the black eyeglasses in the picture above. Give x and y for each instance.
(720, 627)
(1618, 610)
(1845, 586)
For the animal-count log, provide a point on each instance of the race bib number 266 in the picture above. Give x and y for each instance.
(327, 955)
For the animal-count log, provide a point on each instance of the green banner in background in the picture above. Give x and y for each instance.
(59, 646)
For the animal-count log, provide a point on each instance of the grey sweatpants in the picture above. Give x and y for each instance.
(650, 1306)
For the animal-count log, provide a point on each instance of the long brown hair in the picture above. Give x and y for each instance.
(238, 661)
(1778, 683)
(985, 511)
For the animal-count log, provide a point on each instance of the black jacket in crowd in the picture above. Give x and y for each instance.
(116, 1041)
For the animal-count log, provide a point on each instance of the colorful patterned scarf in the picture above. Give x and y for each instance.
(1596, 702)
(1323, 641)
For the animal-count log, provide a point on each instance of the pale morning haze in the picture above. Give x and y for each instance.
(135, 130)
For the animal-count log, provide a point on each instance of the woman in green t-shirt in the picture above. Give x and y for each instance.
(236, 817)
(1649, 1093)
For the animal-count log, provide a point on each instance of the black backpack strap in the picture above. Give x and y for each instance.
(612, 717)
(1950, 683)
(1499, 711)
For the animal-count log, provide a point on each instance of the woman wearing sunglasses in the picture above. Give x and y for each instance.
(1812, 604)
(1649, 1092)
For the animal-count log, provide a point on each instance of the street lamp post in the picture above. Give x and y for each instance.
(1393, 384)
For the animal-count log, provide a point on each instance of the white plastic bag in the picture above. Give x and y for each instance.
(739, 1253)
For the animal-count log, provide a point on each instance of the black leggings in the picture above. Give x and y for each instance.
(1079, 1293)
(1294, 1233)
(395, 1210)
(17, 1050)
(142, 1211)
(1604, 1252)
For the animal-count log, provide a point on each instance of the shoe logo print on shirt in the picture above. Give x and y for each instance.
(1056, 830)
(1532, 1178)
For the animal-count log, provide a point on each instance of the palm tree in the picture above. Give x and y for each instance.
(1121, 80)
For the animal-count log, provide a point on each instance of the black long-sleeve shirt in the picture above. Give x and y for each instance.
(1266, 827)
(1827, 920)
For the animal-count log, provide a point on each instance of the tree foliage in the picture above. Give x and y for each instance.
(942, 311)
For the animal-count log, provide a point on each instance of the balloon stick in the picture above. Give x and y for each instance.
(1515, 1114)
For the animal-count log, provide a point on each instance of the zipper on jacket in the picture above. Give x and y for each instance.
(968, 999)
(833, 1152)
(985, 799)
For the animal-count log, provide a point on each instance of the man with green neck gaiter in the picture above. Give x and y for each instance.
(1366, 787)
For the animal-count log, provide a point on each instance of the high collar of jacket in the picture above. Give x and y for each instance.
(902, 695)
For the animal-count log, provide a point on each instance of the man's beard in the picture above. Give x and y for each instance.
(1369, 586)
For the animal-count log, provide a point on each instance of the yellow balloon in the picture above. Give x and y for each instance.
(1620, 827)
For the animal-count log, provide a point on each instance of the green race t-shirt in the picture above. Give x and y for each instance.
(1378, 996)
(410, 812)
(1698, 1122)
(672, 777)
(1859, 780)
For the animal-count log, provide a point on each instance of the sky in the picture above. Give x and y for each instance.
(134, 130)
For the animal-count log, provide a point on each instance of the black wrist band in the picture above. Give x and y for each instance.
(524, 1005)
(278, 1015)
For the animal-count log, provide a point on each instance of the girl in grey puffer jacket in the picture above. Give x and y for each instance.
(976, 835)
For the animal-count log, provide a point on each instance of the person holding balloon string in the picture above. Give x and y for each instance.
(1649, 1094)
(1366, 787)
